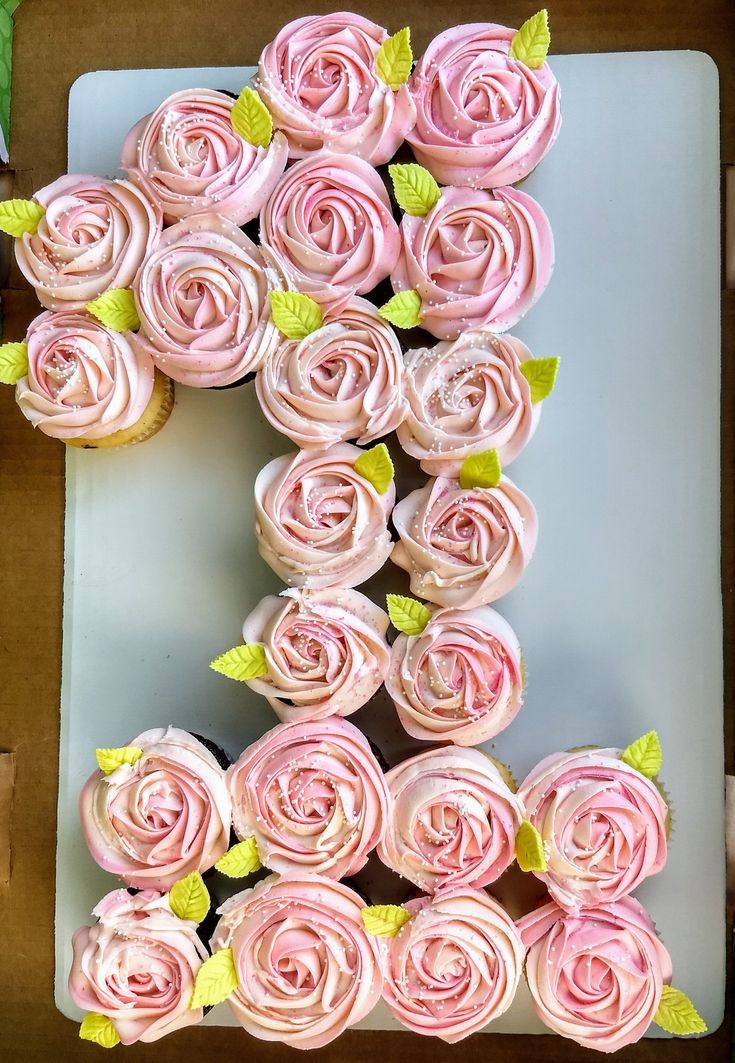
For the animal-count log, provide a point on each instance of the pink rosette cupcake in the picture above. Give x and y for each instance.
(455, 966)
(344, 381)
(94, 235)
(459, 680)
(453, 821)
(330, 223)
(137, 966)
(319, 522)
(162, 813)
(320, 82)
(602, 823)
(477, 260)
(202, 300)
(483, 118)
(306, 968)
(313, 796)
(188, 159)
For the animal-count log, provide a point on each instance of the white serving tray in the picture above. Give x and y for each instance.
(619, 613)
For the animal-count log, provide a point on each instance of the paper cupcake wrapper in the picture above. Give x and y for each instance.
(152, 420)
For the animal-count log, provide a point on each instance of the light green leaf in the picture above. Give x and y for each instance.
(384, 920)
(242, 663)
(241, 860)
(251, 118)
(216, 979)
(644, 755)
(531, 43)
(415, 189)
(376, 467)
(19, 216)
(480, 470)
(403, 310)
(100, 1029)
(111, 759)
(116, 309)
(676, 1014)
(189, 898)
(13, 362)
(541, 376)
(395, 58)
(530, 848)
(296, 315)
(407, 614)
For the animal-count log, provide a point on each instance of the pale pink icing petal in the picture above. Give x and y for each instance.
(313, 796)
(483, 119)
(595, 977)
(93, 236)
(344, 381)
(453, 821)
(477, 259)
(326, 652)
(603, 825)
(186, 157)
(455, 966)
(83, 379)
(318, 522)
(460, 679)
(464, 547)
(137, 965)
(319, 80)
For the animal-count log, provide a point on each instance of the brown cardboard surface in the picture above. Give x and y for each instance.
(55, 42)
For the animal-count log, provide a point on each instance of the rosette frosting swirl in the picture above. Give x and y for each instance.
(464, 397)
(83, 379)
(330, 223)
(453, 822)
(186, 157)
(464, 547)
(154, 821)
(344, 381)
(476, 259)
(483, 118)
(326, 652)
(318, 522)
(313, 796)
(459, 680)
(603, 825)
(595, 977)
(306, 967)
(202, 299)
(137, 965)
(455, 966)
(319, 80)
(93, 236)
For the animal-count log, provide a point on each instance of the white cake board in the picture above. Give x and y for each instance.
(619, 613)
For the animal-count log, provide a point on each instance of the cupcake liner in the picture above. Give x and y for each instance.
(152, 420)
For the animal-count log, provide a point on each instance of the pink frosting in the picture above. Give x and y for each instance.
(455, 966)
(330, 222)
(137, 965)
(187, 158)
(464, 547)
(93, 236)
(154, 821)
(318, 522)
(477, 259)
(603, 825)
(454, 820)
(313, 796)
(326, 652)
(83, 379)
(483, 119)
(202, 299)
(465, 397)
(460, 679)
(344, 381)
(595, 977)
(306, 967)
(319, 81)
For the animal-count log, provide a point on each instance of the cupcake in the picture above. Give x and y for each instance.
(135, 968)
(603, 825)
(320, 523)
(453, 820)
(460, 679)
(320, 81)
(454, 966)
(484, 118)
(202, 300)
(93, 236)
(159, 810)
(305, 968)
(88, 385)
(344, 381)
(330, 223)
(313, 796)
(187, 158)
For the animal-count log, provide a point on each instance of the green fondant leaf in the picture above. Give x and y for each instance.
(251, 118)
(676, 1014)
(116, 309)
(403, 310)
(384, 920)
(242, 662)
(13, 362)
(100, 1029)
(18, 216)
(216, 979)
(480, 470)
(415, 189)
(111, 759)
(407, 614)
(530, 848)
(189, 898)
(376, 467)
(241, 860)
(541, 376)
(395, 58)
(531, 43)
(295, 315)
(645, 755)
